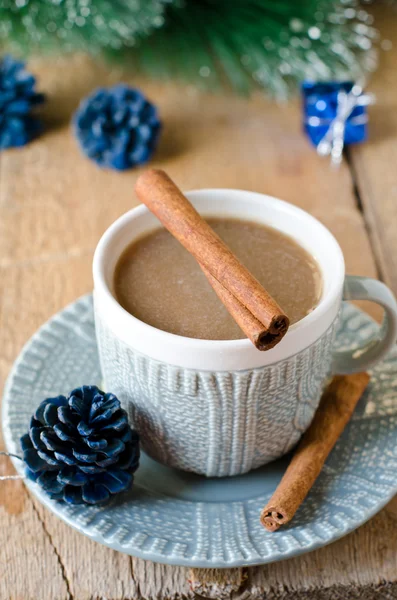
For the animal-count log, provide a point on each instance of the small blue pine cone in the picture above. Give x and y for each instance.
(18, 98)
(118, 127)
(81, 449)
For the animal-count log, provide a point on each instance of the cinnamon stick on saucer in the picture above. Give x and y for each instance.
(336, 407)
(255, 311)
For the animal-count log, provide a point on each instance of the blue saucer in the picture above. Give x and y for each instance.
(184, 519)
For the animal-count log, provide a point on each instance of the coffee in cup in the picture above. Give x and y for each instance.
(159, 282)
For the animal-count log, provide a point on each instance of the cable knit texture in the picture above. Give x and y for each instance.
(216, 423)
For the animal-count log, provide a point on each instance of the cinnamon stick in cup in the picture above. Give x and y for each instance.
(256, 312)
(336, 407)
(252, 328)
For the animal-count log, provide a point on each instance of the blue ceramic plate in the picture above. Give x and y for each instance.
(184, 519)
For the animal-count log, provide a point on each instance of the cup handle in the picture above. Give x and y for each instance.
(375, 348)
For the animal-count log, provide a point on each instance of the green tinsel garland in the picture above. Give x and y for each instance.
(269, 43)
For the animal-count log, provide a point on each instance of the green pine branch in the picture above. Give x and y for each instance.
(272, 44)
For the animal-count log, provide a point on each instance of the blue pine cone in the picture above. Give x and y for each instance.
(81, 449)
(18, 98)
(117, 128)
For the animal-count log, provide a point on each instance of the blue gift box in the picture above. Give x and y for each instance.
(320, 107)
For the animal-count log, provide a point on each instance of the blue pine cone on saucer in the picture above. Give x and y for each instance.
(118, 128)
(81, 449)
(18, 99)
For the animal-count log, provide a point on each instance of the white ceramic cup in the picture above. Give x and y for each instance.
(223, 407)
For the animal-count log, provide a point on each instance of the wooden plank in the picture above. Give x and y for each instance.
(30, 566)
(92, 570)
(374, 162)
(54, 205)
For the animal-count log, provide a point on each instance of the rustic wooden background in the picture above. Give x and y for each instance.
(54, 205)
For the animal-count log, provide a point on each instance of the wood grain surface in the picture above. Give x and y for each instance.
(54, 206)
(372, 169)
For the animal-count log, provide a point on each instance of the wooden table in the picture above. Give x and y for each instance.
(54, 205)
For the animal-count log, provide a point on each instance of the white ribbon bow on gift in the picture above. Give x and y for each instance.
(333, 141)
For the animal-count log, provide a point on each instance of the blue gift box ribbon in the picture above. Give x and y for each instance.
(335, 114)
